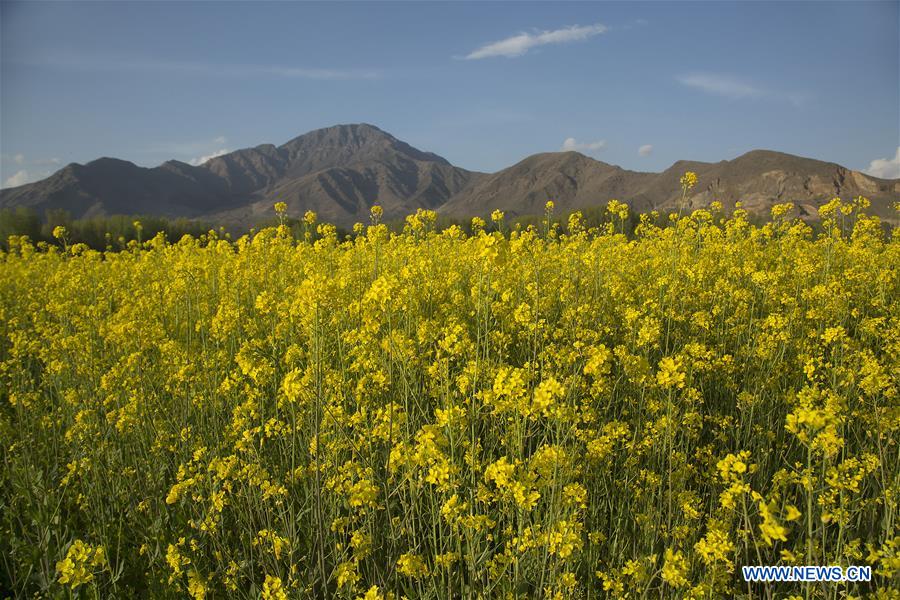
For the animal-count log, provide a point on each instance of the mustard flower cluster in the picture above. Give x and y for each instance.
(554, 411)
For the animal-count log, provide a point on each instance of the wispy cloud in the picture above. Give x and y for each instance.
(19, 178)
(645, 150)
(736, 88)
(219, 141)
(24, 176)
(195, 152)
(190, 150)
(307, 73)
(202, 159)
(26, 170)
(885, 168)
(571, 143)
(18, 159)
(721, 85)
(521, 43)
(635, 23)
(96, 63)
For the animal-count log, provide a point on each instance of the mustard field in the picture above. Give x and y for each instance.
(542, 412)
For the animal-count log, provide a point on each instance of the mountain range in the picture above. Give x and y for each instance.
(341, 171)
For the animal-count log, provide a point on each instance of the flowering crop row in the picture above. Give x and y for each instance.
(553, 412)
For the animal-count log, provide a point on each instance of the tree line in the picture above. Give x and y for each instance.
(100, 233)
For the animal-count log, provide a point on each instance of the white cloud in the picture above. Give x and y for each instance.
(518, 45)
(645, 150)
(202, 159)
(305, 73)
(18, 159)
(636, 23)
(19, 178)
(885, 168)
(205, 149)
(736, 88)
(721, 85)
(98, 63)
(191, 151)
(26, 174)
(571, 144)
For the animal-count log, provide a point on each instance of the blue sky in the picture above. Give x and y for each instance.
(638, 84)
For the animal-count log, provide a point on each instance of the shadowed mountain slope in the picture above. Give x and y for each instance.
(340, 172)
(759, 179)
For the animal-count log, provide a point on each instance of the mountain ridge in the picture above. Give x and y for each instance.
(339, 172)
